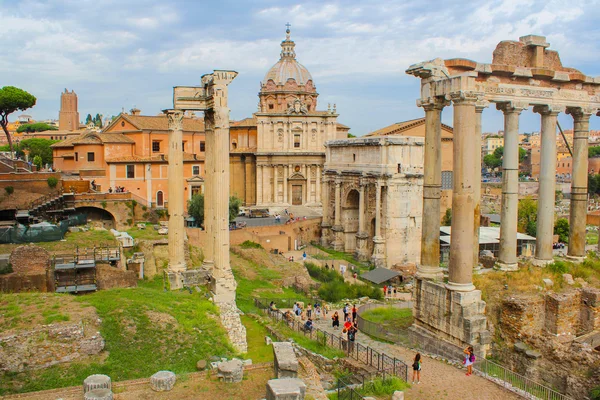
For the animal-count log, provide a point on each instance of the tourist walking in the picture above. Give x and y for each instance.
(325, 309)
(304, 256)
(417, 368)
(344, 336)
(354, 311)
(384, 290)
(336, 320)
(351, 338)
(469, 360)
(346, 311)
(326, 266)
(309, 310)
(317, 313)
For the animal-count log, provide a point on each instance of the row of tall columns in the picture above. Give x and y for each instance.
(176, 238)
(578, 211)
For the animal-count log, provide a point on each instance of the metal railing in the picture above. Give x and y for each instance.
(364, 354)
(517, 383)
(346, 390)
(381, 331)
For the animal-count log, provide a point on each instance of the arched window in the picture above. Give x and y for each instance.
(159, 199)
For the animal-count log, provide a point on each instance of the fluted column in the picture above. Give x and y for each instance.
(338, 230)
(460, 268)
(259, 184)
(326, 223)
(507, 257)
(361, 235)
(378, 257)
(275, 184)
(579, 195)
(318, 188)
(209, 192)
(546, 192)
(479, 107)
(286, 173)
(432, 184)
(176, 199)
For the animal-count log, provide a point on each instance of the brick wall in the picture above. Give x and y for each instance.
(520, 316)
(562, 312)
(29, 259)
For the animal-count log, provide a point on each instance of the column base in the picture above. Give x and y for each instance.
(434, 273)
(460, 287)
(175, 279)
(575, 259)
(208, 265)
(541, 263)
(506, 267)
(338, 240)
(361, 246)
(378, 257)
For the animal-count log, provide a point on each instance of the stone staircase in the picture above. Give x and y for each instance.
(49, 207)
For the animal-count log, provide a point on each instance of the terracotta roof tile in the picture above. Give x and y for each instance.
(400, 127)
(153, 159)
(91, 137)
(244, 122)
(160, 123)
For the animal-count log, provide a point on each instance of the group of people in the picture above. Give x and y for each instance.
(118, 189)
(468, 361)
(389, 290)
(311, 310)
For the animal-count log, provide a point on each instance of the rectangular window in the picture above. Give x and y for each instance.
(202, 147)
(155, 146)
(76, 156)
(91, 156)
(296, 140)
(183, 146)
(130, 171)
(195, 170)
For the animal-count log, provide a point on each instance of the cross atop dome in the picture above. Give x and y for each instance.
(287, 46)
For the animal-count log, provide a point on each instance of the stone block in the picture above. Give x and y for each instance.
(96, 381)
(286, 389)
(548, 282)
(162, 381)
(568, 278)
(285, 360)
(201, 365)
(398, 395)
(268, 340)
(533, 354)
(4, 260)
(231, 371)
(98, 394)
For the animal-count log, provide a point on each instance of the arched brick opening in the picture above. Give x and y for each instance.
(99, 216)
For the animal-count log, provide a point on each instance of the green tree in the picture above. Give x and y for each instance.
(593, 151)
(38, 147)
(37, 160)
(593, 183)
(36, 127)
(196, 208)
(11, 100)
(499, 152)
(527, 216)
(491, 161)
(351, 135)
(447, 218)
(98, 120)
(561, 228)
(234, 207)
(88, 119)
(522, 154)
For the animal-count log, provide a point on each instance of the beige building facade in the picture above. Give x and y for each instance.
(372, 198)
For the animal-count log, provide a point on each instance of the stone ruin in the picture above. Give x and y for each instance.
(31, 271)
(285, 360)
(286, 386)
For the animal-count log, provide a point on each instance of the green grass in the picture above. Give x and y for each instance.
(400, 318)
(249, 244)
(146, 330)
(339, 255)
(72, 240)
(316, 344)
(145, 234)
(258, 350)
(379, 387)
(334, 287)
(51, 316)
(591, 238)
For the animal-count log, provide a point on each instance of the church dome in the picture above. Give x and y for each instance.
(288, 67)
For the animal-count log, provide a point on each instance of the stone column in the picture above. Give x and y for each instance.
(579, 196)
(479, 107)
(286, 173)
(507, 257)
(460, 269)
(305, 170)
(361, 235)
(546, 192)
(176, 200)
(318, 188)
(432, 183)
(259, 184)
(275, 184)
(378, 257)
(326, 223)
(209, 190)
(338, 230)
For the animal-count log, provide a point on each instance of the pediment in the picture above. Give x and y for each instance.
(195, 179)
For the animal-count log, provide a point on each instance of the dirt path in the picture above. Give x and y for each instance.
(439, 380)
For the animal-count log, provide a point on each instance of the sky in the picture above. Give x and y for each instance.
(120, 54)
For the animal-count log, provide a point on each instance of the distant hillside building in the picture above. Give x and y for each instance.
(68, 117)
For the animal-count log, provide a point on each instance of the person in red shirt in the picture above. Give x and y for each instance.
(384, 290)
(347, 324)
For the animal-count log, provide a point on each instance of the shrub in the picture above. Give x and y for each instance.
(595, 393)
(338, 290)
(103, 204)
(9, 190)
(52, 182)
(144, 208)
(249, 244)
(322, 274)
(558, 267)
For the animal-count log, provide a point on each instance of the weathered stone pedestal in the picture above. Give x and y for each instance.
(231, 371)
(506, 267)
(163, 381)
(325, 234)
(338, 237)
(361, 253)
(378, 257)
(96, 381)
(286, 389)
(286, 362)
(98, 394)
(447, 321)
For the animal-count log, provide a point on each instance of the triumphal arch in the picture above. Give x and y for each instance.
(522, 74)
(211, 98)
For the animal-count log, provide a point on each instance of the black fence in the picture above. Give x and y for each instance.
(365, 354)
(381, 331)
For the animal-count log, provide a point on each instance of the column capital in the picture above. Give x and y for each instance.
(512, 107)
(548, 109)
(175, 119)
(581, 113)
(465, 97)
(481, 105)
(433, 103)
(338, 181)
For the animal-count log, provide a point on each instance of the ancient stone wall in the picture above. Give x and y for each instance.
(109, 277)
(590, 310)
(29, 259)
(520, 317)
(562, 312)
